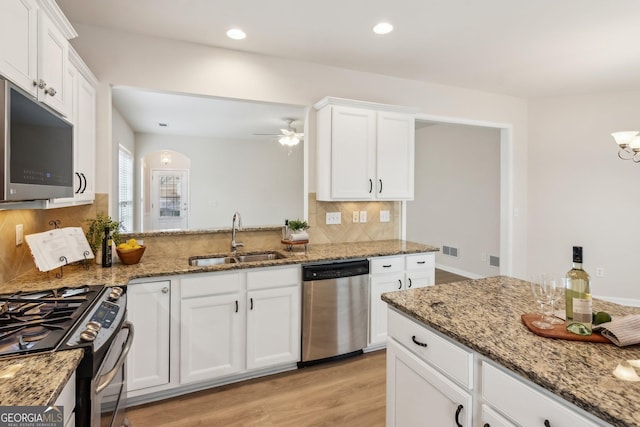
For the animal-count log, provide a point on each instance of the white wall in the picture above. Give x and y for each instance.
(122, 135)
(127, 59)
(580, 193)
(457, 195)
(220, 167)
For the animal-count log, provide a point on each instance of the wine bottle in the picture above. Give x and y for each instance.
(107, 243)
(578, 296)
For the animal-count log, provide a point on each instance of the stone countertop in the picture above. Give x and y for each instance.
(484, 315)
(120, 274)
(36, 380)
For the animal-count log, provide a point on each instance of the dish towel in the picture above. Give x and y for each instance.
(299, 237)
(622, 331)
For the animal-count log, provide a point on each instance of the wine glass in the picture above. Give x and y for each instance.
(541, 290)
(555, 286)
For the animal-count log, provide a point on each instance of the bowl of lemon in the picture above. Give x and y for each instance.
(130, 252)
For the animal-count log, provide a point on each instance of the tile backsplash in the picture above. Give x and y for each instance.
(15, 260)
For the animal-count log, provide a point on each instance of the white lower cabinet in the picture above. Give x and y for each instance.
(148, 309)
(434, 381)
(273, 317)
(211, 326)
(419, 395)
(67, 399)
(524, 404)
(394, 273)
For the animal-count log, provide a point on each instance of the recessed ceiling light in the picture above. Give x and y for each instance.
(236, 34)
(383, 28)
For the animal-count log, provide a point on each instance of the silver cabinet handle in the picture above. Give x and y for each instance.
(165, 290)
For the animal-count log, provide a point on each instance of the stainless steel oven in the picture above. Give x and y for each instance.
(106, 336)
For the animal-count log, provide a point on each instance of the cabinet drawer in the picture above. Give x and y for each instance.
(524, 404)
(420, 261)
(273, 277)
(443, 354)
(209, 284)
(386, 264)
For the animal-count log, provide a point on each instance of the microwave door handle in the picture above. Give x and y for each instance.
(105, 380)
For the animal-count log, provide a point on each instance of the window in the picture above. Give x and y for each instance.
(125, 185)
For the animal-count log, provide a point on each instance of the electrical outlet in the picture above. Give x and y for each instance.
(599, 271)
(19, 234)
(333, 218)
(363, 216)
(356, 217)
(385, 216)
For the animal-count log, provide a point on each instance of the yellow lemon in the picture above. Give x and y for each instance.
(132, 242)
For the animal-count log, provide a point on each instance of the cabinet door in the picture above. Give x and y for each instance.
(211, 337)
(148, 306)
(395, 155)
(19, 42)
(418, 395)
(353, 138)
(85, 139)
(419, 279)
(378, 308)
(53, 55)
(273, 326)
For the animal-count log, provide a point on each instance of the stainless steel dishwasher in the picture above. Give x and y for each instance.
(335, 309)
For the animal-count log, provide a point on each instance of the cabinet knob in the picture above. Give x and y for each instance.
(165, 290)
(40, 83)
(547, 423)
(50, 91)
(486, 425)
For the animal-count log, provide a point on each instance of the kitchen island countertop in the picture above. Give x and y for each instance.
(485, 315)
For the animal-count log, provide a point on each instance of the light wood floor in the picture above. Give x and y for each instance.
(350, 393)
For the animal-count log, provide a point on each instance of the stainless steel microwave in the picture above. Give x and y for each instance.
(36, 148)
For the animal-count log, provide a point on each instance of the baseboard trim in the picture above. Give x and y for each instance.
(459, 272)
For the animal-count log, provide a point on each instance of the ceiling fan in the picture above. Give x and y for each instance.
(287, 137)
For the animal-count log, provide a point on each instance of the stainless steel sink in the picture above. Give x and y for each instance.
(200, 261)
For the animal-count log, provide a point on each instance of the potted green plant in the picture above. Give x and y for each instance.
(297, 225)
(95, 233)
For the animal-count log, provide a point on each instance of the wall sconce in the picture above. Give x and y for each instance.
(629, 142)
(165, 158)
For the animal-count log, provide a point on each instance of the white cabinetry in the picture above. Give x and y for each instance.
(427, 378)
(149, 310)
(67, 399)
(83, 116)
(365, 151)
(430, 377)
(523, 403)
(211, 327)
(273, 317)
(34, 50)
(394, 273)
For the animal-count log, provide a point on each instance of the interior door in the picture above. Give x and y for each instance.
(169, 199)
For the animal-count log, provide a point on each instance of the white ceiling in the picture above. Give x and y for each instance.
(527, 48)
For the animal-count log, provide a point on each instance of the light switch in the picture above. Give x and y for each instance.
(363, 216)
(385, 216)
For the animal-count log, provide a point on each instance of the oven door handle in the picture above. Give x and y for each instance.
(105, 380)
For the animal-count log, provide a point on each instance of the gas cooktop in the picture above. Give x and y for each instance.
(32, 322)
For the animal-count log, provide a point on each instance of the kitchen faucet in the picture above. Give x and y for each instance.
(236, 220)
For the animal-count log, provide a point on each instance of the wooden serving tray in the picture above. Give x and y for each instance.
(560, 331)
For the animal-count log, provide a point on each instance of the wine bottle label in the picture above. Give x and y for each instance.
(582, 310)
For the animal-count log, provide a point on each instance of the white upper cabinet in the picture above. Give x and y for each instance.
(365, 151)
(34, 48)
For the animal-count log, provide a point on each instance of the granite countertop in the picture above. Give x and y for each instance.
(41, 378)
(36, 380)
(149, 266)
(484, 315)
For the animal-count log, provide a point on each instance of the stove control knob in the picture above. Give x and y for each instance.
(115, 293)
(88, 335)
(93, 326)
